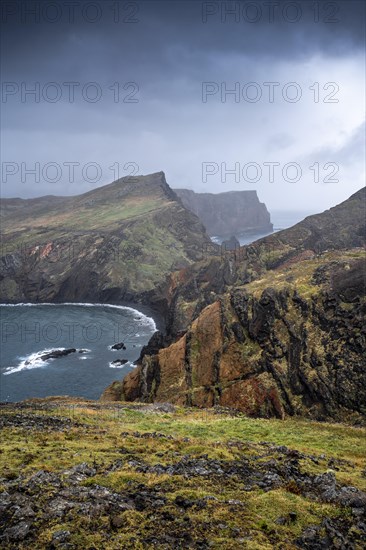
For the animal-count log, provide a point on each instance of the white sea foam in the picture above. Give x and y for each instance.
(128, 364)
(216, 240)
(34, 361)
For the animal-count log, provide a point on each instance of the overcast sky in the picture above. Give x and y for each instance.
(139, 87)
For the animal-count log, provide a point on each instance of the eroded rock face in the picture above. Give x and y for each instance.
(286, 329)
(90, 247)
(270, 350)
(229, 213)
(275, 328)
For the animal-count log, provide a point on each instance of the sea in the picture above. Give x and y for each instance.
(281, 219)
(29, 332)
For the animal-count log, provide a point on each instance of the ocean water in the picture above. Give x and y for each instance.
(281, 219)
(29, 331)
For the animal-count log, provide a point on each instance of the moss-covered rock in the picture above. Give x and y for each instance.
(272, 347)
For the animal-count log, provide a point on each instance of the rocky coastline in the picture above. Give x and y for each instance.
(253, 327)
(276, 347)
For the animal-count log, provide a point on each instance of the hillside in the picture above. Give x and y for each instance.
(229, 213)
(114, 243)
(75, 474)
(274, 329)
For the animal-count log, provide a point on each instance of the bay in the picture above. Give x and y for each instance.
(30, 331)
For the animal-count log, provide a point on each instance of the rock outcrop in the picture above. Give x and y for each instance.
(273, 328)
(272, 347)
(228, 213)
(279, 330)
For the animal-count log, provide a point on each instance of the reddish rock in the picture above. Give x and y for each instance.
(173, 383)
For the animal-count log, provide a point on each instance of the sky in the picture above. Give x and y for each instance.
(265, 95)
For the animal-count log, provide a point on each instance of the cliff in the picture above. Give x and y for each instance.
(230, 213)
(277, 331)
(112, 244)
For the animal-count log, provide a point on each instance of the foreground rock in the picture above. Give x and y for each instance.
(79, 474)
(45, 499)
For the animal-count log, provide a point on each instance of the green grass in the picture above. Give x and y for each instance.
(298, 276)
(105, 432)
(81, 217)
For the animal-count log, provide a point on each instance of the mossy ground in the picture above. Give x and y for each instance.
(298, 276)
(101, 435)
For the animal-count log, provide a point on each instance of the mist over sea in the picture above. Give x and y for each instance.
(281, 219)
(29, 331)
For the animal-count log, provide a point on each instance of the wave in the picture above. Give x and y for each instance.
(137, 315)
(128, 364)
(35, 361)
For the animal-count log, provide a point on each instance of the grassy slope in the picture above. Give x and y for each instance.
(106, 433)
(298, 276)
(131, 233)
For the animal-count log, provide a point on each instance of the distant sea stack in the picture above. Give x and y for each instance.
(229, 213)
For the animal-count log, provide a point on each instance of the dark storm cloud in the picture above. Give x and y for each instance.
(171, 37)
(168, 52)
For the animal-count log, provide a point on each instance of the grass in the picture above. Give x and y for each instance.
(105, 435)
(126, 242)
(298, 276)
(81, 217)
(337, 441)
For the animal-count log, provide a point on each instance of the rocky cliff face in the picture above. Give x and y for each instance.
(115, 243)
(189, 290)
(291, 343)
(278, 330)
(230, 213)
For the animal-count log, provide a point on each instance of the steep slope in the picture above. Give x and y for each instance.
(340, 227)
(229, 213)
(191, 289)
(285, 340)
(116, 242)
